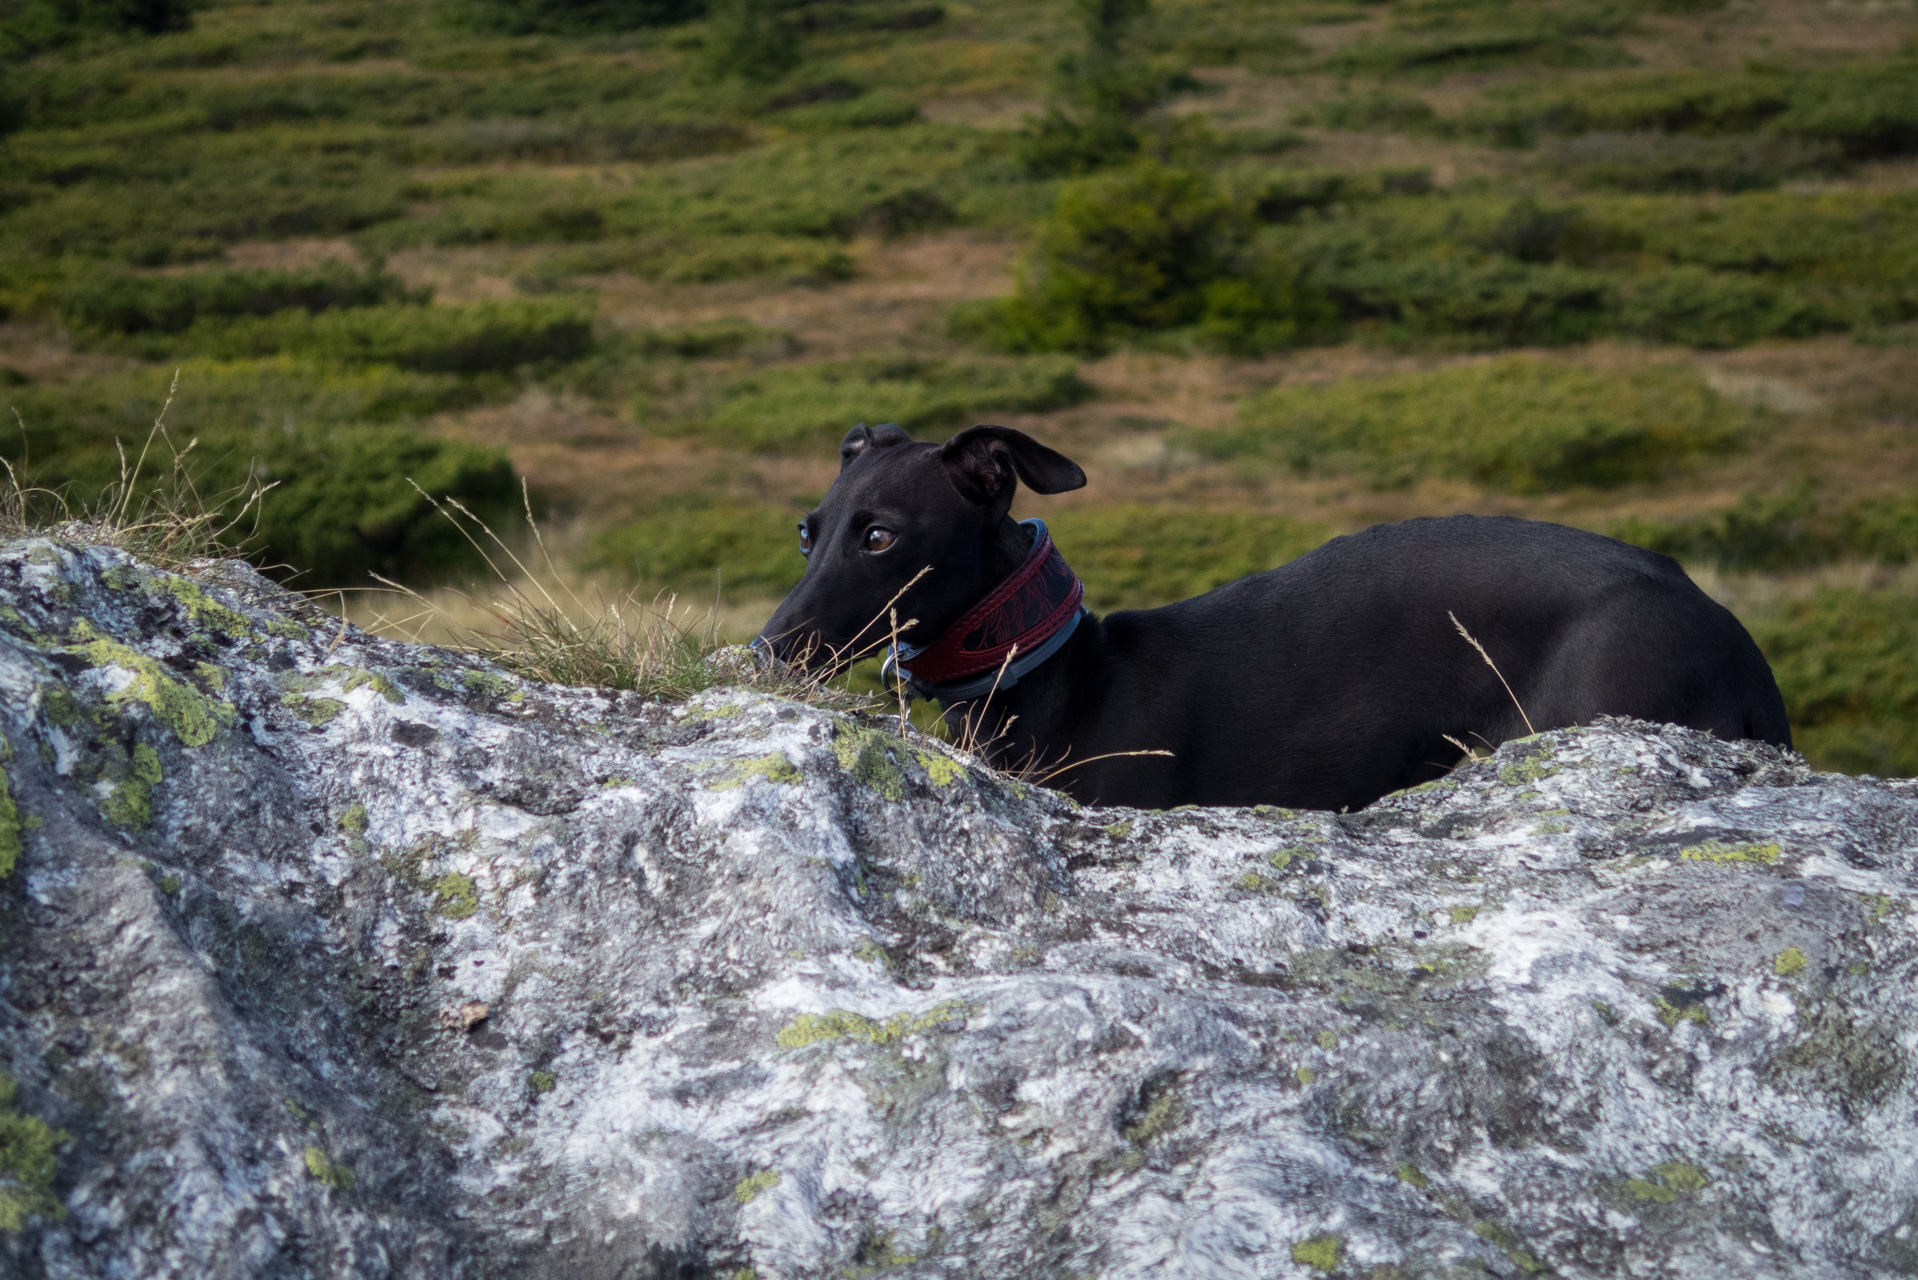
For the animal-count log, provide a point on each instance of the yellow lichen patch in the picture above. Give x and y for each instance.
(322, 1166)
(747, 1190)
(943, 771)
(774, 768)
(1718, 851)
(455, 896)
(1464, 915)
(129, 801)
(870, 758)
(1672, 1014)
(1328, 1040)
(353, 821)
(192, 716)
(1306, 1075)
(1531, 769)
(10, 827)
(542, 1082)
(315, 711)
(1791, 960)
(841, 1024)
(488, 685)
(26, 1163)
(1119, 830)
(1667, 1182)
(1409, 1173)
(200, 607)
(1321, 1253)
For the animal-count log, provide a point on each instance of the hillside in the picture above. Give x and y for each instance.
(1646, 268)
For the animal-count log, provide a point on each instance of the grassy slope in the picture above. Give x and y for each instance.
(758, 272)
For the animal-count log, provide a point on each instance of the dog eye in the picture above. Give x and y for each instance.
(805, 541)
(879, 539)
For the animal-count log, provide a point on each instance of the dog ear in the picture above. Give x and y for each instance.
(983, 460)
(863, 437)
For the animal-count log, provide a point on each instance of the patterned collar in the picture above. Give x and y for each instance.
(1025, 618)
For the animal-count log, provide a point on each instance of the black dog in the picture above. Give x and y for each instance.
(1324, 683)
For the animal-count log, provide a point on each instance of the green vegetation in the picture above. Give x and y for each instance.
(812, 405)
(707, 546)
(1842, 657)
(1144, 250)
(27, 1147)
(1133, 556)
(336, 444)
(1515, 423)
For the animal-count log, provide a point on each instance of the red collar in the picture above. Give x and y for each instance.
(1040, 600)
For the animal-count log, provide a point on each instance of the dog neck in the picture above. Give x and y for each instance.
(1021, 623)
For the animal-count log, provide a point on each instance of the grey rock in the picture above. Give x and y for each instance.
(772, 991)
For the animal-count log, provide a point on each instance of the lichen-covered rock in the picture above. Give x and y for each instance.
(325, 956)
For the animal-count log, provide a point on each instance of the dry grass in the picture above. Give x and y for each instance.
(166, 521)
(544, 624)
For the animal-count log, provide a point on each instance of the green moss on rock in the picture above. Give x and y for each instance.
(322, 1166)
(869, 758)
(774, 768)
(1791, 960)
(10, 827)
(27, 1145)
(315, 711)
(1321, 1253)
(200, 607)
(749, 1189)
(129, 801)
(841, 1024)
(542, 1082)
(456, 897)
(1721, 852)
(192, 717)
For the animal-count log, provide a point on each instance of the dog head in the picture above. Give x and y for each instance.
(916, 527)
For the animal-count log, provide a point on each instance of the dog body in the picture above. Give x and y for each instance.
(1325, 683)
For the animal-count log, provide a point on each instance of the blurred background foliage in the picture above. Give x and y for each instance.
(1271, 269)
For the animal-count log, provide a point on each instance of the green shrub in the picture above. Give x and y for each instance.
(33, 25)
(705, 260)
(1759, 532)
(341, 505)
(576, 140)
(745, 39)
(1123, 253)
(1883, 528)
(1686, 162)
(524, 17)
(1517, 423)
(344, 503)
(1866, 108)
(1379, 109)
(882, 110)
(474, 338)
(1869, 110)
(1843, 661)
(119, 303)
(804, 406)
(1565, 35)
(1694, 307)
(697, 547)
(1139, 556)
(1497, 299)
